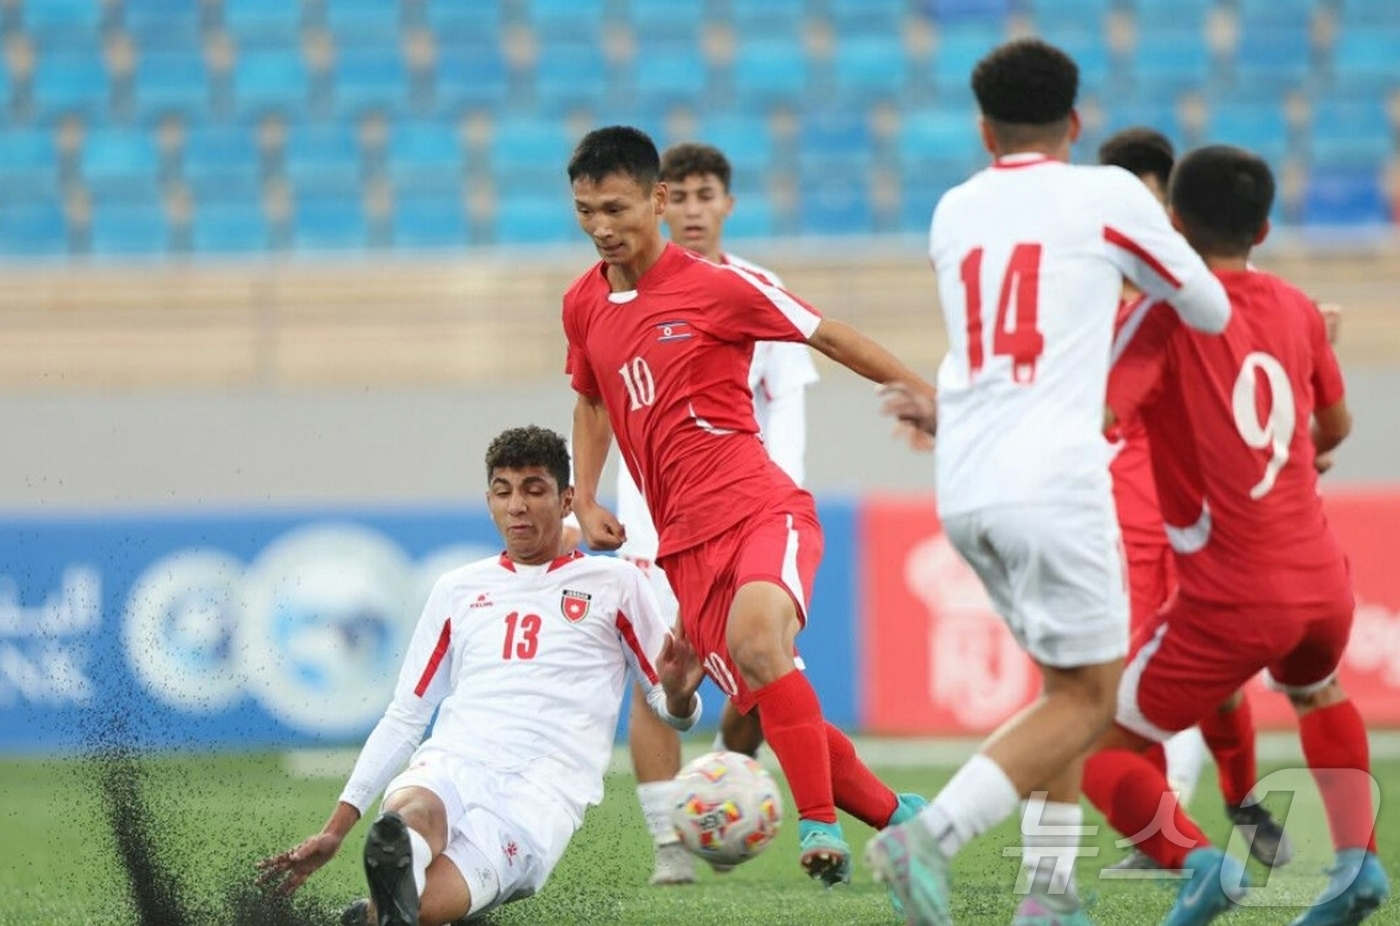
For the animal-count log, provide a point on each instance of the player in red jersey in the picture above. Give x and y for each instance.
(660, 343)
(1235, 423)
(1228, 731)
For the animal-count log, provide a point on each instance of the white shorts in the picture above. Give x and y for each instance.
(1055, 574)
(504, 835)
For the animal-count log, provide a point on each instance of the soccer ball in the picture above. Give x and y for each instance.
(727, 808)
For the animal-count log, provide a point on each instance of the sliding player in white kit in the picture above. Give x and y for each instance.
(523, 656)
(1030, 255)
(698, 203)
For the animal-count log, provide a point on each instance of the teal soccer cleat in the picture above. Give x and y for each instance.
(825, 855)
(1217, 883)
(908, 860)
(1357, 886)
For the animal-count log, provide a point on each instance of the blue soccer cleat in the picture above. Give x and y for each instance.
(908, 860)
(1357, 886)
(1217, 883)
(909, 807)
(825, 855)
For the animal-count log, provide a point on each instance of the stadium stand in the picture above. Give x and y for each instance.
(235, 106)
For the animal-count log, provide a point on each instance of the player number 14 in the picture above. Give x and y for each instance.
(1022, 341)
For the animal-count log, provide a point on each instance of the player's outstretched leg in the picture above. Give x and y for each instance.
(389, 871)
(656, 758)
(1217, 884)
(1357, 886)
(908, 860)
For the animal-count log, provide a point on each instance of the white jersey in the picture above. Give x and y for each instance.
(1030, 255)
(779, 375)
(525, 667)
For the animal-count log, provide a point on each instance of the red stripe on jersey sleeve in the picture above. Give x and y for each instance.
(1116, 238)
(624, 626)
(444, 639)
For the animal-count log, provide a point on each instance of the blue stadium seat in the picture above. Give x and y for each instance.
(1365, 58)
(230, 227)
(744, 137)
(868, 68)
(569, 74)
(955, 11)
(752, 218)
(470, 75)
(921, 188)
(1345, 196)
(222, 161)
(425, 155)
(364, 22)
(938, 135)
(129, 228)
(368, 78)
(530, 147)
(1078, 14)
(28, 229)
(959, 49)
(1276, 58)
(837, 203)
(769, 71)
(834, 133)
(1368, 13)
(329, 222)
(51, 20)
(532, 216)
(767, 17)
(1170, 61)
(664, 20)
(1276, 14)
(455, 21)
(63, 82)
(263, 22)
(1259, 127)
(172, 80)
(1352, 132)
(666, 72)
(1156, 15)
(27, 165)
(868, 19)
(430, 220)
(162, 25)
(120, 162)
(1086, 46)
(270, 79)
(323, 157)
(574, 18)
(1121, 112)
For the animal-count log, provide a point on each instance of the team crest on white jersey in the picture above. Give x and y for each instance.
(574, 605)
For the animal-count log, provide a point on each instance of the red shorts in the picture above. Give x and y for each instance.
(1195, 654)
(1151, 580)
(782, 547)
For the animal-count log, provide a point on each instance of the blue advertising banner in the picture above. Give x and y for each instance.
(263, 629)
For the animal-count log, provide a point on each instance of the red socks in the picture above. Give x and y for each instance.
(1230, 737)
(791, 717)
(1134, 796)
(1334, 742)
(855, 787)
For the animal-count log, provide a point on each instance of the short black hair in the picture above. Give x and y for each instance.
(691, 158)
(616, 149)
(1222, 196)
(1026, 87)
(1142, 151)
(519, 448)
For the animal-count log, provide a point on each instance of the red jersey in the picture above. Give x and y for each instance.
(670, 361)
(1134, 492)
(1228, 417)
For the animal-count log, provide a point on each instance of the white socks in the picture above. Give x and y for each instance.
(422, 855)
(1186, 754)
(978, 798)
(656, 798)
(1050, 833)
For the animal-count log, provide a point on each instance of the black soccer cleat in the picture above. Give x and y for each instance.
(1267, 841)
(389, 871)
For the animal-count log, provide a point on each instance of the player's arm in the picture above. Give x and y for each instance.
(1331, 426)
(592, 436)
(1331, 422)
(664, 664)
(864, 356)
(784, 424)
(1155, 258)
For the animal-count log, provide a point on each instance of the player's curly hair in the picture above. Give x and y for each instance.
(616, 149)
(1142, 151)
(1026, 90)
(690, 159)
(1221, 196)
(530, 446)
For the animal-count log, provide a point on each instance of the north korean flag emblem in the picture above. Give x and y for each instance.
(574, 605)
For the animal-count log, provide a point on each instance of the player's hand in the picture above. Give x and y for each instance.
(919, 441)
(678, 668)
(1323, 462)
(289, 871)
(1331, 319)
(601, 530)
(909, 407)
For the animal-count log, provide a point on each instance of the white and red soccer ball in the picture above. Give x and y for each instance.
(727, 808)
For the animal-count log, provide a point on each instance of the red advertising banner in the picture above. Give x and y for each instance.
(937, 659)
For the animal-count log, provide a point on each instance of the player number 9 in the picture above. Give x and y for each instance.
(1275, 434)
